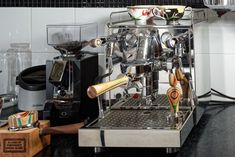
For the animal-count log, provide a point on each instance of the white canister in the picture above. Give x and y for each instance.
(32, 88)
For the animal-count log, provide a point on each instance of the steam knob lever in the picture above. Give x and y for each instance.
(173, 94)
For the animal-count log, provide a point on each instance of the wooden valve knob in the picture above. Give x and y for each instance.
(173, 94)
(179, 75)
(172, 80)
(96, 90)
(183, 82)
(95, 42)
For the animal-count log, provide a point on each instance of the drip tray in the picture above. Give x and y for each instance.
(137, 128)
(133, 123)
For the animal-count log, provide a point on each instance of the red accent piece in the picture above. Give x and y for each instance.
(145, 12)
(174, 94)
(135, 96)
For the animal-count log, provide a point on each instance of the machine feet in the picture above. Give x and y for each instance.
(98, 150)
(171, 150)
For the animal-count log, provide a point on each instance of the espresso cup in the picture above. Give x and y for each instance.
(140, 13)
(171, 13)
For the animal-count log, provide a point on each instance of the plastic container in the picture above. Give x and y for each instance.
(3, 73)
(32, 88)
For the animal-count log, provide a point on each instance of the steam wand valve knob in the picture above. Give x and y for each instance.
(172, 79)
(183, 82)
(96, 42)
(173, 94)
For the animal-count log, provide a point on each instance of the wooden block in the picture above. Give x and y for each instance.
(25, 143)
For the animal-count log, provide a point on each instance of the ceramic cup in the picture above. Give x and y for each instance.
(141, 13)
(171, 13)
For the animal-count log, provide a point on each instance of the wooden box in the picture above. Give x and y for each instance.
(25, 143)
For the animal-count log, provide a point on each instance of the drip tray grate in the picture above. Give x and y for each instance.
(137, 103)
(147, 119)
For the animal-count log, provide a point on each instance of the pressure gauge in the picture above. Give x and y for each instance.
(168, 40)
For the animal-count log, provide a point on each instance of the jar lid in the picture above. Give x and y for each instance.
(20, 45)
(33, 78)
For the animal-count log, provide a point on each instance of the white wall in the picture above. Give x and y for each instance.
(202, 59)
(222, 54)
(29, 25)
(215, 49)
(216, 39)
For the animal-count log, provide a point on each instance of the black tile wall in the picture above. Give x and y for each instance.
(96, 3)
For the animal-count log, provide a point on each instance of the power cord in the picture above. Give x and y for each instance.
(205, 95)
(221, 94)
(216, 102)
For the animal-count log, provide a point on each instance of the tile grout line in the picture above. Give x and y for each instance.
(31, 28)
(75, 18)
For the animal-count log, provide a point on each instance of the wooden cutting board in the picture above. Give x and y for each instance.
(25, 143)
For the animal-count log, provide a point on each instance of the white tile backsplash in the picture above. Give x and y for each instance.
(40, 58)
(222, 35)
(98, 15)
(15, 26)
(201, 31)
(222, 73)
(215, 55)
(202, 58)
(214, 40)
(29, 24)
(202, 74)
(44, 16)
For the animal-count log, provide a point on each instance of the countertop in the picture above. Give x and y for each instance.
(213, 136)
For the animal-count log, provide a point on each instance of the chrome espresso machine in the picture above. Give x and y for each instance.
(144, 116)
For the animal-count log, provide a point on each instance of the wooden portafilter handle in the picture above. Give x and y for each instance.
(179, 74)
(64, 129)
(96, 90)
(173, 94)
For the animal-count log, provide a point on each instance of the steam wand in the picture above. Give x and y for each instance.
(110, 49)
(110, 46)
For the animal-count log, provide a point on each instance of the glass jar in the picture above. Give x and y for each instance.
(3, 73)
(17, 58)
(23, 54)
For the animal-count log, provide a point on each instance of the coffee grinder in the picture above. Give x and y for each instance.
(70, 74)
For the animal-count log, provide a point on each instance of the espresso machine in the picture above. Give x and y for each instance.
(68, 77)
(144, 116)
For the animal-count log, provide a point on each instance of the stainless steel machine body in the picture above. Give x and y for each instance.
(143, 118)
